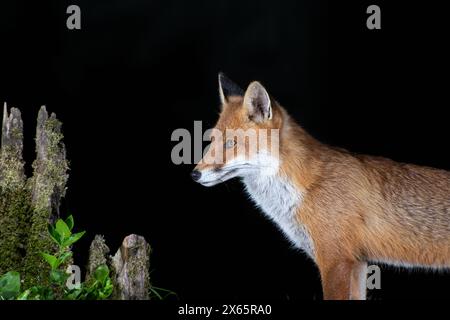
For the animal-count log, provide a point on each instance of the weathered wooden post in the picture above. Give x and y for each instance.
(12, 175)
(50, 167)
(14, 198)
(98, 255)
(129, 266)
(48, 186)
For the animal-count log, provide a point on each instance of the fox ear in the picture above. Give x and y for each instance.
(228, 88)
(257, 101)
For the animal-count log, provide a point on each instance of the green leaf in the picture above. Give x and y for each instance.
(58, 276)
(51, 230)
(62, 229)
(41, 293)
(101, 274)
(51, 260)
(73, 238)
(64, 257)
(54, 235)
(24, 295)
(74, 294)
(101, 288)
(107, 290)
(10, 285)
(164, 293)
(69, 222)
(156, 293)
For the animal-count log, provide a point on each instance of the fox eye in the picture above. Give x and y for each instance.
(229, 144)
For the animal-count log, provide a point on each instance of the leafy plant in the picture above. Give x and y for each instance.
(9, 285)
(99, 287)
(37, 293)
(161, 293)
(61, 234)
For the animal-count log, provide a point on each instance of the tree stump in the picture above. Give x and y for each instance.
(15, 208)
(12, 174)
(47, 187)
(131, 266)
(98, 255)
(50, 167)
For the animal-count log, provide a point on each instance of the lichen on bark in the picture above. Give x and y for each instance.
(12, 174)
(14, 197)
(131, 265)
(46, 188)
(15, 213)
(48, 183)
(98, 255)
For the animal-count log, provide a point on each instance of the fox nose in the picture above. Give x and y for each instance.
(196, 175)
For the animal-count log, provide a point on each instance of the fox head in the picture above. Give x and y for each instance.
(245, 140)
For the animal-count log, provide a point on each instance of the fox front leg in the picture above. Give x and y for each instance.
(358, 281)
(343, 279)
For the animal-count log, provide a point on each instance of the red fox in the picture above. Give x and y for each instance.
(342, 209)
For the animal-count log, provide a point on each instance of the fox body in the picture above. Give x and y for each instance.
(343, 210)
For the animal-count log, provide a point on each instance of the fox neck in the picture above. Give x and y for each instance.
(280, 192)
(299, 161)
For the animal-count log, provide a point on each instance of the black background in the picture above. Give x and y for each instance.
(137, 70)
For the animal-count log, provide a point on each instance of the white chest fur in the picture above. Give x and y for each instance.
(279, 200)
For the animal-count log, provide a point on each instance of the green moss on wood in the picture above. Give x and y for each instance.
(15, 214)
(51, 166)
(98, 255)
(47, 186)
(15, 204)
(12, 174)
(35, 269)
(26, 207)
